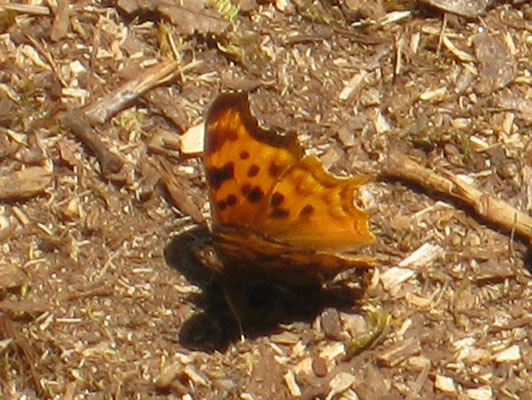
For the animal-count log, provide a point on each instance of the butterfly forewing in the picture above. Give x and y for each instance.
(243, 161)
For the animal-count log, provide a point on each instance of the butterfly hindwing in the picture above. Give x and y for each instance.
(310, 207)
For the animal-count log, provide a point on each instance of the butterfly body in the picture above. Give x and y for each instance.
(276, 213)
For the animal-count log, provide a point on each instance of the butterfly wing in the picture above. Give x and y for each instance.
(312, 208)
(260, 258)
(273, 202)
(243, 161)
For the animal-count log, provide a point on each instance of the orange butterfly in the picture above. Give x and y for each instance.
(277, 214)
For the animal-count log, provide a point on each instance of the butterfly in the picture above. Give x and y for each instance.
(276, 213)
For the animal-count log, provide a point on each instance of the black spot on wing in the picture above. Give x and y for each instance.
(231, 200)
(307, 211)
(217, 176)
(222, 205)
(274, 170)
(277, 199)
(255, 194)
(253, 170)
(280, 213)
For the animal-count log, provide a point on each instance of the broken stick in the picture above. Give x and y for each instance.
(101, 110)
(81, 126)
(486, 205)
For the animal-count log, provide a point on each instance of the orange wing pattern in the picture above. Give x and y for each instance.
(243, 161)
(258, 180)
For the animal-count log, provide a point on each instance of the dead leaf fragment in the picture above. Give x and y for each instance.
(465, 8)
(497, 65)
(188, 16)
(69, 152)
(330, 322)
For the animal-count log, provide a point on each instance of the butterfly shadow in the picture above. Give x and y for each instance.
(228, 311)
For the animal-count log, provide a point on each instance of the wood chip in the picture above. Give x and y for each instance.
(400, 352)
(339, 384)
(11, 276)
(511, 354)
(333, 350)
(460, 54)
(465, 8)
(304, 367)
(354, 83)
(481, 393)
(290, 380)
(191, 142)
(24, 183)
(168, 374)
(394, 276)
(425, 254)
(194, 376)
(285, 337)
(444, 384)
(433, 95)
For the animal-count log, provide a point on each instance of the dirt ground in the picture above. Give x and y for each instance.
(100, 294)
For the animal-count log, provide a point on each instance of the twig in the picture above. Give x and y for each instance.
(26, 9)
(102, 109)
(82, 121)
(487, 206)
(81, 126)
